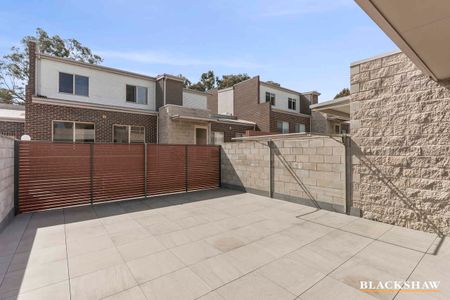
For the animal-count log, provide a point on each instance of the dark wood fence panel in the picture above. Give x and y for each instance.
(166, 167)
(53, 175)
(118, 171)
(203, 168)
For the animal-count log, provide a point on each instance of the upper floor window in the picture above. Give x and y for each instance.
(126, 134)
(137, 94)
(270, 97)
(300, 127)
(292, 103)
(68, 131)
(73, 84)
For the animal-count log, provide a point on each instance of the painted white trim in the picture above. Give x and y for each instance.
(77, 104)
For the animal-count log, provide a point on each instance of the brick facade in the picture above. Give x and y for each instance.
(247, 106)
(276, 116)
(39, 119)
(230, 130)
(13, 129)
(400, 122)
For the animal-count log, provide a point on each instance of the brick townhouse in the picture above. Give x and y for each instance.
(71, 101)
(272, 107)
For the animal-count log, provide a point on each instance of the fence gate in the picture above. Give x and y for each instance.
(52, 175)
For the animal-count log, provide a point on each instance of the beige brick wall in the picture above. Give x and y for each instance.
(400, 122)
(310, 170)
(6, 180)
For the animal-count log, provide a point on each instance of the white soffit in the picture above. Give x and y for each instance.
(420, 28)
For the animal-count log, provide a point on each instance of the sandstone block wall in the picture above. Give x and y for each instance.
(309, 171)
(6, 180)
(400, 122)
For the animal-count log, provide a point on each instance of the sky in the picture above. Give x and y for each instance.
(302, 44)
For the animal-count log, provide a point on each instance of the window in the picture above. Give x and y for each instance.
(283, 127)
(126, 134)
(300, 127)
(136, 94)
(217, 138)
(270, 97)
(67, 131)
(292, 103)
(73, 84)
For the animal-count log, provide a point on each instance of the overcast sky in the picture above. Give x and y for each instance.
(302, 44)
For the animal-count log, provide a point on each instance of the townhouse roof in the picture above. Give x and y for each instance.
(93, 66)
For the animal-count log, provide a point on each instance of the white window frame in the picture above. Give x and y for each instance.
(207, 134)
(129, 132)
(73, 84)
(294, 103)
(73, 129)
(136, 94)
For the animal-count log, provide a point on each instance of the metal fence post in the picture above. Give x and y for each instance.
(145, 170)
(16, 177)
(186, 167)
(91, 169)
(220, 165)
(271, 168)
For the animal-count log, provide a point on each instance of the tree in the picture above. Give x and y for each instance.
(186, 82)
(343, 93)
(14, 66)
(5, 96)
(208, 80)
(230, 80)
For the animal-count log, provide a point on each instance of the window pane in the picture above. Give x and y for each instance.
(65, 83)
(84, 133)
(63, 131)
(141, 95)
(137, 134)
(131, 93)
(217, 138)
(121, 134)
(81, 85)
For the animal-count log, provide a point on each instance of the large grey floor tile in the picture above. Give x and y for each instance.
(253, 286)
(58, 291)
(329, 288)
(331, 250)
(102, 283)
(367, 228)
(409, 238)
(216, 271)
(152, 266)
(134, 293)
(94, 261)
(140, 248)
(294, 276)
(182, 284)
(379, 261)
(34, 277)
(195, 252)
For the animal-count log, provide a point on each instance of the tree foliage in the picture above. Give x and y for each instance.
(343, 93)
(14, 73)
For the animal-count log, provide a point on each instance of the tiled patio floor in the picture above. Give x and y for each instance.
(211, 245)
